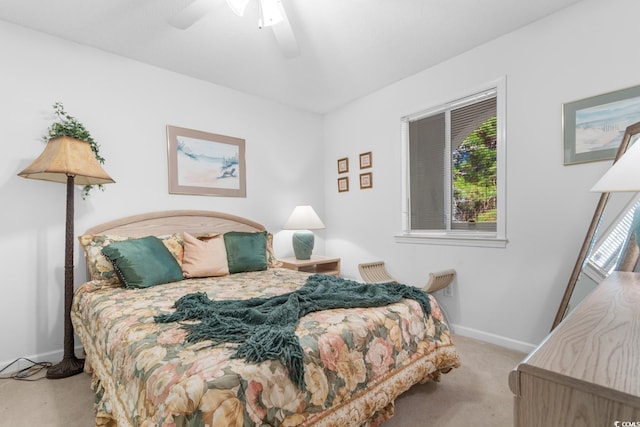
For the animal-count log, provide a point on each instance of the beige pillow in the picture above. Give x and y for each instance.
(204, 258)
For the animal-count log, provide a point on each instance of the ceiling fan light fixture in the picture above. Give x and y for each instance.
(238, 6)
(271, 12)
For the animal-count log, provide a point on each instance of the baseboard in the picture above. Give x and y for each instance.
(53, 357)
(494, 339)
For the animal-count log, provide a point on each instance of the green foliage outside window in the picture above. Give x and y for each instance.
(475, 175)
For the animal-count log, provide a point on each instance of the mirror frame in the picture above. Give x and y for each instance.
(588, 240)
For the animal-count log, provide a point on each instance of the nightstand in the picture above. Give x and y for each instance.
(317, 264)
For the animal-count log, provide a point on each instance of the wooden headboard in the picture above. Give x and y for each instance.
(168, 222)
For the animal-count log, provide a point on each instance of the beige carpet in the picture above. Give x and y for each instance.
(475, 394)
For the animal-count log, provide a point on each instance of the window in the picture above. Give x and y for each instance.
(454, 171)
(610, 250)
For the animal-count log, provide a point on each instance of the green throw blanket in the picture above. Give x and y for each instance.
(265, 327)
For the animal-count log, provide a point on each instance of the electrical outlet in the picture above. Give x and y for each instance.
(448, 291)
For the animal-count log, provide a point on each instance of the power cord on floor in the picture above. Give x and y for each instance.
(25, 374)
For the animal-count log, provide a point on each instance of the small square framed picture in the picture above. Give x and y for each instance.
(343, 184)
(365, 160)
(343, 165)
(366, 180)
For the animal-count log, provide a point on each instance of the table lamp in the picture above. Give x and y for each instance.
(71, 161)
(303, 219)
(623, 176)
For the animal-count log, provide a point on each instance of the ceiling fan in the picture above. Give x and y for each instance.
(272, 14)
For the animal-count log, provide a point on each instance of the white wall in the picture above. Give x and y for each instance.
(508, 296)
(126, 106)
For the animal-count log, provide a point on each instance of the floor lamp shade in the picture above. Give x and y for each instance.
(303, 219)
(65, 156)
(71, 161)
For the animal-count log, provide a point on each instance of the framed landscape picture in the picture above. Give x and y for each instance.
(205, 163)
(593, 127)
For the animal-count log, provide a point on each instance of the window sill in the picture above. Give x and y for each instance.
(453, 239)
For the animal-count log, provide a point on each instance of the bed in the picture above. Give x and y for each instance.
(356, 361)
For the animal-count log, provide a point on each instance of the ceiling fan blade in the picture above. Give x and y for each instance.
(191, 14)
(199, 8)
(285, 38)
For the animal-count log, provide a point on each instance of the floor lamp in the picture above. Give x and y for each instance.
(71, 161)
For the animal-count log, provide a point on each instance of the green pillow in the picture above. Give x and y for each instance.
(246, 251)
(141, 263)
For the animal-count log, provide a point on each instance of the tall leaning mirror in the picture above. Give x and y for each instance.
(610, 243)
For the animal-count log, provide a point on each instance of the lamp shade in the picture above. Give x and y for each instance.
(303, 218)
(66, 156)
(624, 175)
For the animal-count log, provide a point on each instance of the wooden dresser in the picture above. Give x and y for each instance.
(587, 371)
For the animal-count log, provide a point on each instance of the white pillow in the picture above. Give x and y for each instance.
(204, 258)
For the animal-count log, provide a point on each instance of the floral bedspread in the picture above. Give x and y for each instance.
(357, 361)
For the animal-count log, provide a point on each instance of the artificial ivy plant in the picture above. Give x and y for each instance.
(67, 125)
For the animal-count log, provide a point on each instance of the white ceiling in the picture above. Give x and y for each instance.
(348, 48)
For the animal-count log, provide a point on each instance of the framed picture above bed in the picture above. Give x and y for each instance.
(593, 127)
(205, 163)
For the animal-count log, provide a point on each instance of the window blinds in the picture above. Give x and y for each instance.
(427, 171)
